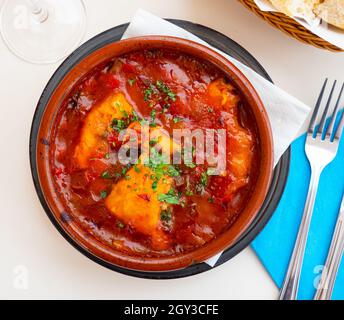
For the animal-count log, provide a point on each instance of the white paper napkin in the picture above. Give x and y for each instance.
(287, 114)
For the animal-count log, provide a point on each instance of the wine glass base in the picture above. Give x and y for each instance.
(43, 42)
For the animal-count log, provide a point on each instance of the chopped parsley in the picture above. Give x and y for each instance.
(155, 158)
(143, 122)
(106, 175)
(166, 107)
(125, 114)
(103, 194)
(131, 82)
(176, 119)
(155, 185)
(161, 87)
(190, 165)
(211, 199)
(172, 96)
(124, 171)
(120, 225)
(200, 187)
(148, 93)
(204, 179)
(119, 124)
(165, 89)
(170, 197)
(189, 193)
(135, 117)
(172, 171)
(153, 142)
(153, 118)
(193, 151)
(159, 171)
(166, 215)
(160, 168)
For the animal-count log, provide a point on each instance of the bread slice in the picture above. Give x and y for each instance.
(332, 11)
(300, 8)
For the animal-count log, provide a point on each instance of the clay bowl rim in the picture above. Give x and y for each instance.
(63, 221)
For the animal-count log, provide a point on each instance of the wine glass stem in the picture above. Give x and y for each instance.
(39, 12)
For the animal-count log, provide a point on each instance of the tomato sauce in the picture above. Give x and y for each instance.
(184, 205)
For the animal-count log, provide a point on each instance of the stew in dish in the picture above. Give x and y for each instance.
(153, 206)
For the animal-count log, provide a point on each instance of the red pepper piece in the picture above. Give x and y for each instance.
(144, 196)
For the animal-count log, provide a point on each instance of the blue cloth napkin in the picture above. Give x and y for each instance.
(275, 243)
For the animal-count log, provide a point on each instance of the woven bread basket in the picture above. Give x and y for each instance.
(291, 27)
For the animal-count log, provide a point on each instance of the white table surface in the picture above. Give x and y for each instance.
(27, 238)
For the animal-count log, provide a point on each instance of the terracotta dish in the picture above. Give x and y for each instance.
(153, 215)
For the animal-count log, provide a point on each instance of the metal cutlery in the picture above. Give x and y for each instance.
(321, 148)
(328, 277)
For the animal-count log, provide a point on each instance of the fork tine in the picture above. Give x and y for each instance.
(340, 126)
(316, 109)
(322, 123)
(334, 115)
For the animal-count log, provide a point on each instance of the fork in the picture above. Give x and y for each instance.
(328, 277)
(321, 148)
